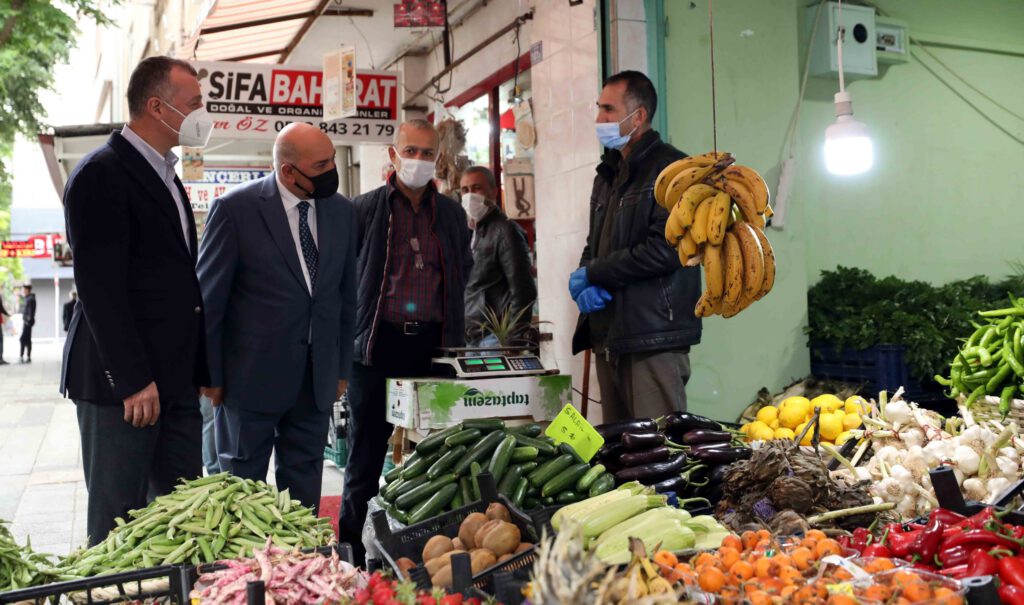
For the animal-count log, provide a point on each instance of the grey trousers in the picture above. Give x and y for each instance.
(643, 385)
(126, 467)
(210, 459)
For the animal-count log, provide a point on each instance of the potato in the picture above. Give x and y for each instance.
(503, 539)
(437, 546)
(469, 527)
(523, 547)
(498, 511)
(457, 542)
(478, 538)
(505, 558)
(443, 577)
(404, 565)
(481, 559)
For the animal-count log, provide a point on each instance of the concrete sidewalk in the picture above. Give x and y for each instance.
(42, 489)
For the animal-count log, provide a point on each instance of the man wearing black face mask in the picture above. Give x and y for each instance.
(280, 254)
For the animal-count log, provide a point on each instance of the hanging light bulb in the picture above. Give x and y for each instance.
(848, 148)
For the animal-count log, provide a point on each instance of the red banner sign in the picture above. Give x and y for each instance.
(36, 246)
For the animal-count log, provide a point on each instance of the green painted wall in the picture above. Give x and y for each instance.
(945, 199)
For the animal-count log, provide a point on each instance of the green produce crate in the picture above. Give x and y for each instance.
(338, 454)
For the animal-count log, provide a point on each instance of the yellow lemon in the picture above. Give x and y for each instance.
(807, 438)
(760, 431)
(830, 426)
(801, 403)
(843, 437)
(851, 421)
(784, 433)
(767, 414)
(856, 405)
(774, 424)
(828, 403)
(791, 416)
(745, 429)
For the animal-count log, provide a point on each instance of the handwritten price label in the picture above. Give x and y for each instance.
(572, 428)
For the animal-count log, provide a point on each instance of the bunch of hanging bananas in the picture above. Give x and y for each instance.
(717, 213)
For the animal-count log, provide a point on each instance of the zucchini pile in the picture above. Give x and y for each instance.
(528, 468)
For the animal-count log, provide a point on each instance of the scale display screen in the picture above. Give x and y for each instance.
(501, 363)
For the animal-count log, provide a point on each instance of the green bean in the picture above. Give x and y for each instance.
(1005, 400)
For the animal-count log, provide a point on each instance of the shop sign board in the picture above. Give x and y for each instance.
(218, 181)
(430, 403)
(36, 246)
(256, 101)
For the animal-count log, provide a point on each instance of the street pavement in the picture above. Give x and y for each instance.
(42, 486)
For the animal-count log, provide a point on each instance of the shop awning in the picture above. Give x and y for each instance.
(261, 31)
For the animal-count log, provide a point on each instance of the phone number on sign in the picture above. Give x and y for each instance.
(343, 128)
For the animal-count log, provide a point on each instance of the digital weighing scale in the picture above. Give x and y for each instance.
(490, 362)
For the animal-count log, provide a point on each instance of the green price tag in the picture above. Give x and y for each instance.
(572, 428)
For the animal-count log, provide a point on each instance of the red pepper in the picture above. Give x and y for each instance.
(1011, 595)
(901, 544)
(952, 557)
(877, 550)
(860, 539)
(957, 571)
(951, 531)
(1011, 571)
(927, 542)
(948, 517)
(915, 526)
(982, 538)
(894, 528)
(979, 520)
(923, 566)
(844, 541)
(980, 563)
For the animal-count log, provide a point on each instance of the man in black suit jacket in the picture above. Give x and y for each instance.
(135, 354)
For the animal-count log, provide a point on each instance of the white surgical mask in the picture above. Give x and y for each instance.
(195, 129)
(608, 133)
(416, 173)
(475, 206)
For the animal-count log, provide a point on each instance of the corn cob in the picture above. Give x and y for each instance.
(599, 521)
(664, 530)
(661, 515)
(577, 511)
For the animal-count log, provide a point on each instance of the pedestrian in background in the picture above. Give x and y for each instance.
(502, 277)
(278, 272)
(69, 310)
(28, 319)
(3, 315)
(414, 258)
(135, 355)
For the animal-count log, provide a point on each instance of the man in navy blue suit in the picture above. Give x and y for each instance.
(278, 273)
(135, 353)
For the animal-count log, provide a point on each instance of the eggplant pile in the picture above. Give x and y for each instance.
(682, 452)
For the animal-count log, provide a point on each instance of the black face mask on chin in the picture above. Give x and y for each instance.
(324, 184)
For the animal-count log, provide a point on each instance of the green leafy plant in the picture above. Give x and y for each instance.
(509, 328)
(850, 308)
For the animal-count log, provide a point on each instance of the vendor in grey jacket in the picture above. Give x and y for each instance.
(501, 279)
(636, 302)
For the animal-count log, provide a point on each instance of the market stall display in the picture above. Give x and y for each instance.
(793, 414)
(288, 576)
(20, 566)
(203, 520)
(530, 470)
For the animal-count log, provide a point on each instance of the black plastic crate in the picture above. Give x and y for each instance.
(948, 493)
(880, 368)
(190, 574)
(162, 583)
(410, 541)
(503, 582)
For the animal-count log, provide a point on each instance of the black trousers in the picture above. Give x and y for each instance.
(127, 467)
(297, 437)
(26, 340)
(395, 355)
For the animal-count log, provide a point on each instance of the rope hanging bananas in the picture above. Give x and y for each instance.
(717, 215)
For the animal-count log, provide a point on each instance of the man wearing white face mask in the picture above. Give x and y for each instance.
(502, 279)
(135, 355)
(636, 302)
(413, 261)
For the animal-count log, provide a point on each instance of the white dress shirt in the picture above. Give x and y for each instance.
(164, 167)
(291, 209)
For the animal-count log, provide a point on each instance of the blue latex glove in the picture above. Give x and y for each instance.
(578, 282)
(593, 299)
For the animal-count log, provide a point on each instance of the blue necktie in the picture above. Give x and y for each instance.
(309, 251)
